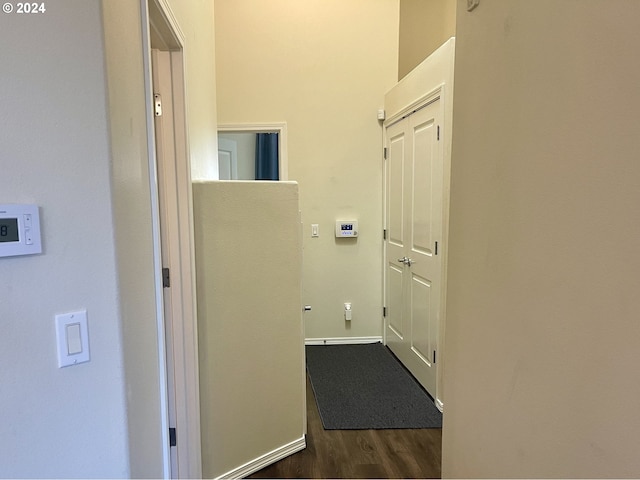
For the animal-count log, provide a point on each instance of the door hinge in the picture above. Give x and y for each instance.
(436, 248)
(157, 104)
(384, 152)
(384, 234)
(166, 278)
(173, 441)
(434, 356)
(384, 311)
(438, 132)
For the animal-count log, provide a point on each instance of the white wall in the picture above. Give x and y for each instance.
(249, 255)
(543, 338)
(80, 153)
(54, 152)
(323, 67)
(246, 143)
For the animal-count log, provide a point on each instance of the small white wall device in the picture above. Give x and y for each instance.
(19, 230)
(347, 312)
(346, 228)
(72, 334)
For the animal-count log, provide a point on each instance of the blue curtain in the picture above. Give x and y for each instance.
(266, 156)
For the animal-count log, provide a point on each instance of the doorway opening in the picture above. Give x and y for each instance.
(253, 152)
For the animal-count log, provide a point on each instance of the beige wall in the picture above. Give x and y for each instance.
(134, 252)
(131, 197)
(424, 26)
(542, 312)
(54, 152)
(323, 67)
(72, 120)
(195, 18)
(252, 383)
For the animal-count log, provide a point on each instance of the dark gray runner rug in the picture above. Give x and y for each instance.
(362, 387)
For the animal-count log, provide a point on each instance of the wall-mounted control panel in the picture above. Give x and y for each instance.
(346, 228)
(19, 230)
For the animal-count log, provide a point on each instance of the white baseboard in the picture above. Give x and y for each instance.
(266, 459)
(439, 405)
(341, 340)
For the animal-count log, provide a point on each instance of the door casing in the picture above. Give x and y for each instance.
(177, 348)
(435, 73)
(414, 230)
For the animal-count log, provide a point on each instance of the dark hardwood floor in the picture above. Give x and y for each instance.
(360, 453)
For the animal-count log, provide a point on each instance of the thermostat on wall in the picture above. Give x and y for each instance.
(19, 230)
(346, 228)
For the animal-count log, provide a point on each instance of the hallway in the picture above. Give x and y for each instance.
(360, 453)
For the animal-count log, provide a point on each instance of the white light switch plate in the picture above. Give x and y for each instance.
(72, 334)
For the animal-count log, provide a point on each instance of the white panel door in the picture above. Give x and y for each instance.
(396, 243)
(413, 277)
(227, 159)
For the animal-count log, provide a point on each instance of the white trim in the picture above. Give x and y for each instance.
(436, 72)
(423, 101)
(157, 254)
(436, 68)
(385, 227)
(266, 459)
(186, 350)
(342, 340)
(171, 18)
(185, 363)
(439, 405)
(283, 142)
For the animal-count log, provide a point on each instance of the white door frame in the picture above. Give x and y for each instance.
(276, 127)
(431, 98)
(159, 20)
(435, 73)
(231, 146)
(423, 101)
